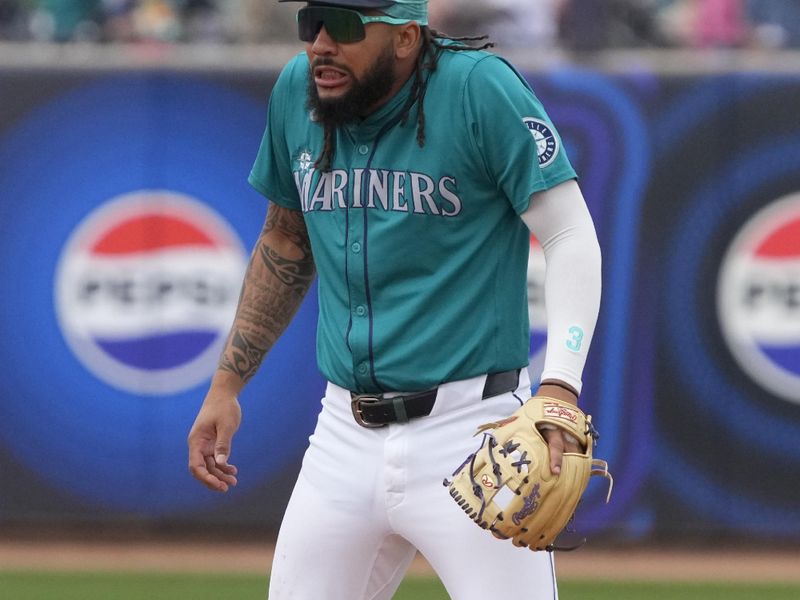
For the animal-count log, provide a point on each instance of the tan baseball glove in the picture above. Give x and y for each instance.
(506, 486)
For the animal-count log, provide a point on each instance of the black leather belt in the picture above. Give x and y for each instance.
(373, 410)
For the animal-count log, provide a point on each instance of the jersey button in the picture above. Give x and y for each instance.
(362, 368)
(363, 149)
(356, 247)
(361, 311)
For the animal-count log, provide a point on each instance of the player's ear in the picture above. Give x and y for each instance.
(407, 39)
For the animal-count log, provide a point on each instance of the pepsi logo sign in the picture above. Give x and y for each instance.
(146, 289)
(758, 297)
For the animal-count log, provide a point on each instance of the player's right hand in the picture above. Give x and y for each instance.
(210, 442)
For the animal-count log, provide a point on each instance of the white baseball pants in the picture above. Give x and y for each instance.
(367, 499)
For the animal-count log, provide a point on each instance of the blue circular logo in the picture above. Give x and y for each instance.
(547, 145)
(758, 297)
(145, 291)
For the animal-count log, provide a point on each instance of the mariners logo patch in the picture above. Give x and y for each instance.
(547, 145)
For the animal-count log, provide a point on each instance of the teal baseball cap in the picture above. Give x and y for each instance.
(409, 10)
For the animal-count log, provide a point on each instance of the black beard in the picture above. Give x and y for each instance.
(363, 94)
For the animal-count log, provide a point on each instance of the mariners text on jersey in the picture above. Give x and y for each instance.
(397, 191)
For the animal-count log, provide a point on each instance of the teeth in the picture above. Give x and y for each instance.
(328, 74)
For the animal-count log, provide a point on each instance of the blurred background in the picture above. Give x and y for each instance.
(569, 24)
(128, 129)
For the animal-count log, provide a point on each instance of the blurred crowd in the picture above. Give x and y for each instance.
(569, 24)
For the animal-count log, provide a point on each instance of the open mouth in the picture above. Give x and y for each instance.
(330, 77)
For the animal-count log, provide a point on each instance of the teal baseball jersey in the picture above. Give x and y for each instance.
(420, 251)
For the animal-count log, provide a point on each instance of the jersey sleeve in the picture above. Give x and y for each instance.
(518, 143)
(271, 174)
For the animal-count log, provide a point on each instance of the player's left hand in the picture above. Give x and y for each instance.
(515, 457)
(558, 440)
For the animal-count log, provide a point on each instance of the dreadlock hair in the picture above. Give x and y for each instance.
(433, 44)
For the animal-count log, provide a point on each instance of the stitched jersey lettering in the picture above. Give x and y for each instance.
(378, 189)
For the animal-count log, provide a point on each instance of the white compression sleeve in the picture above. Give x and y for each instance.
(560, 220)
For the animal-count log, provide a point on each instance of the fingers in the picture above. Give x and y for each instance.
(225, 474)
(559, 442)
(199, 470)
(555, 442)
(222, 447)
(571, 444)
(218, 477)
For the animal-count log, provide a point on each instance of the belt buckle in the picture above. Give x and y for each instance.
(355, 406)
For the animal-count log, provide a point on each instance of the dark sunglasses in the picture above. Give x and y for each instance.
(345, 26)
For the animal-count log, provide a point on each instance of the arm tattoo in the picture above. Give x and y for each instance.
(291, 273)
(280, 273)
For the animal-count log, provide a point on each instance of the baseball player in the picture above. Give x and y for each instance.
(406, 171)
